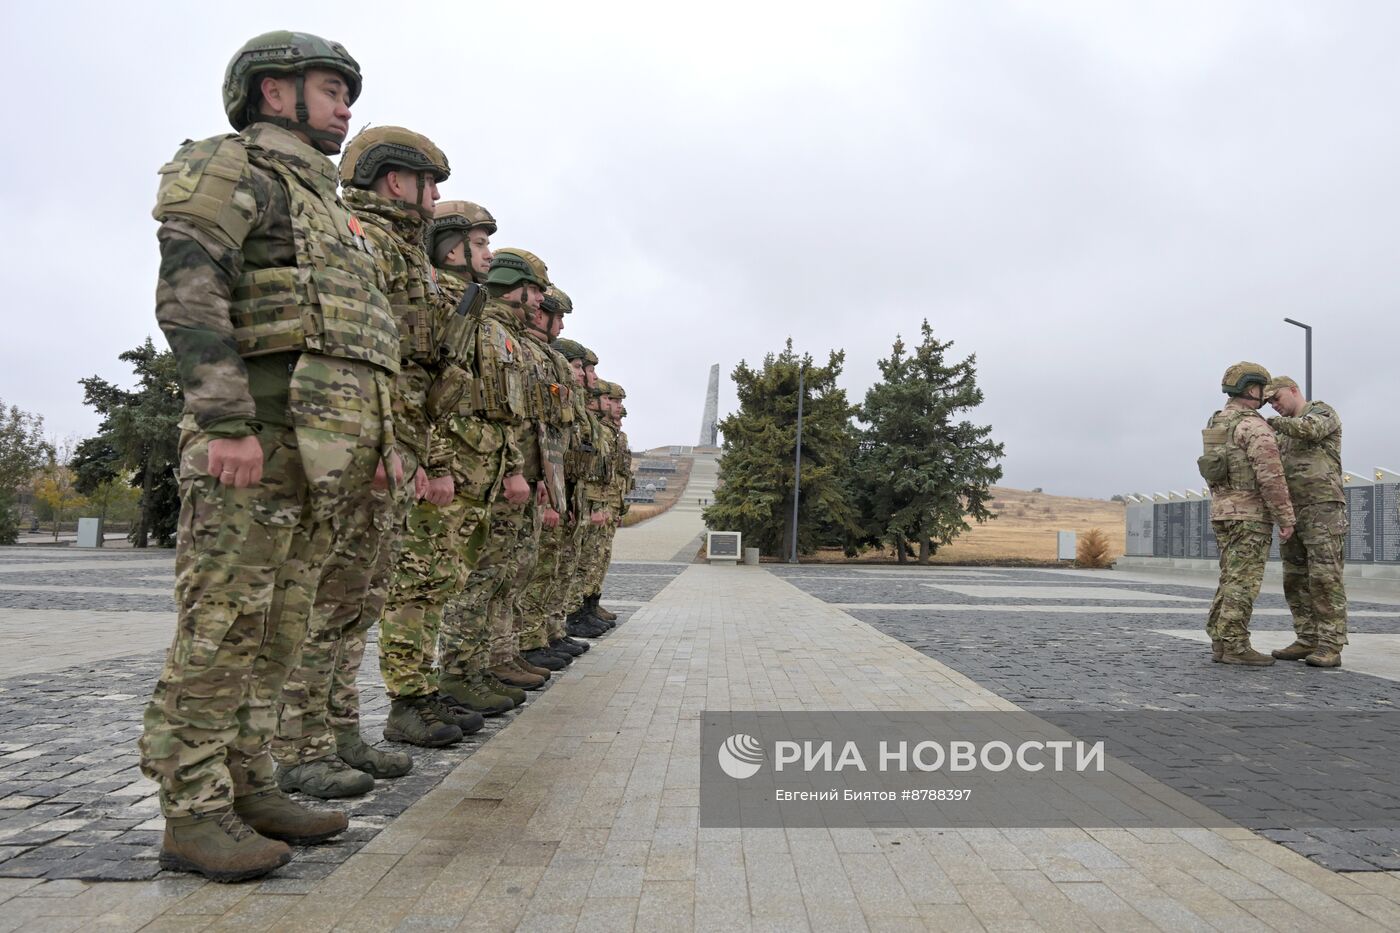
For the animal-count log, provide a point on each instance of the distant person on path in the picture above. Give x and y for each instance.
(1310, 443)
(1241, 463)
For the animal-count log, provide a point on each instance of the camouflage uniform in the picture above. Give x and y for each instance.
(445, 544)
(535, 581)
(259, 263)
(1243, 509)
(1311, 447)
(476, 628)
(321, 698)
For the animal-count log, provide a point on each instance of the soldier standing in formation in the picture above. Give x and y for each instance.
(339, 360)
(1248, 496)
(1310, 443)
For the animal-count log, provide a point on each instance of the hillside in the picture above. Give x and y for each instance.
(1024, 528)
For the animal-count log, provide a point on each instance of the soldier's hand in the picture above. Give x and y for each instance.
(516, 491)
(236, 461)
(381, 478)
(440, 489)
(598, 518)
(541, 494)
(549, 518)
(1285, 533)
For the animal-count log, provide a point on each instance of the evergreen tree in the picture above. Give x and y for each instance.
(23, 451)
(140, 433)
(921, 472)
(756, 469)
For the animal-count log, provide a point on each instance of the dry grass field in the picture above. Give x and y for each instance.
(665, 498)
(1024, 529)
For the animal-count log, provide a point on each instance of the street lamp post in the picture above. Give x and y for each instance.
(1307, 330)
(797, 462)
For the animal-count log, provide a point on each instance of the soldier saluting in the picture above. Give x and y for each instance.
(287, 348)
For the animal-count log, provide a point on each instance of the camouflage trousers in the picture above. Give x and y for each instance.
(1244, 548)
(566, 597)
(1312, 575)
(247, 566)
(592, 561)
(320, 698)
(541, 600)
(477, 629)
(440, 548)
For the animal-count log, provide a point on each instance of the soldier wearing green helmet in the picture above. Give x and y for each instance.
(478, 637)
(287, 346)
(1240, 462)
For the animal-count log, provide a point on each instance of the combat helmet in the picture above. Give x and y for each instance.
(280, 54)
(1278, 384)
(1241, 376)
(589, 357)
(570, 349)
(557, 301)
(377, 149)
(511, 267)
(452, 221)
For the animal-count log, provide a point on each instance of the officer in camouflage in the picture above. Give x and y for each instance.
(287, 347)
(477, 633)
(477, 446)
(622, 484)
(1248, 495)
(390, 176)
(599, 488)
(1310, 444)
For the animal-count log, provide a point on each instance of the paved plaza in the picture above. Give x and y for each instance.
(581, 811)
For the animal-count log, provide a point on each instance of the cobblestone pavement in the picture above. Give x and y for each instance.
(73, 803)
(1121, 661)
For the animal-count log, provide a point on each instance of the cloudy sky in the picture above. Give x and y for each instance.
(1107, 202)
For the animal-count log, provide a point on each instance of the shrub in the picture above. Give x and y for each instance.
(1092, 551)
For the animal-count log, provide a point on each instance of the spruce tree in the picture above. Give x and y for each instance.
(922, 470)
(756, 466)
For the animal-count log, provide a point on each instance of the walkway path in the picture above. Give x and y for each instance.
(675, 534)
(583, 813)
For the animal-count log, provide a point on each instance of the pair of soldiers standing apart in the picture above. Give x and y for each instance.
(1286, 470)
(376, 426)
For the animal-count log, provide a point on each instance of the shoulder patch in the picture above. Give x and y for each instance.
(201, 184)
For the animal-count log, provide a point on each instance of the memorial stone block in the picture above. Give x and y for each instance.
(1385, 505)
(1197, 516)
(1176, 528)
(1359, 544)
(1159, 530)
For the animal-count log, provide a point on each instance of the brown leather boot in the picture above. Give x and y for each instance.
(277, 816)
(1246, 656)
(607, 615)
(1217, 648)
(531, 668)
(1325, 657)
(513, 676)
(219, 846)
(1294, 652)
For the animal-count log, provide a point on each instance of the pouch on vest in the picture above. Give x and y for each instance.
(1214, 463)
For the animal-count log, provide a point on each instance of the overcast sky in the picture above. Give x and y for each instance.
(1108, 203)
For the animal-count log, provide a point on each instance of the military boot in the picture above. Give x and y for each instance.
(1244, 655)
(327, 778)
(376, 762)
(278, 816)
(568, 646)
(1217, 648)
(514, 676)
(1322, 656)
(515, 694)
(472, 695)
(450, 711)
(520, 661)
(604, 614)
(219, 846)
(1294, 652)
(591, 607)
(415, 720)
(542, 657)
